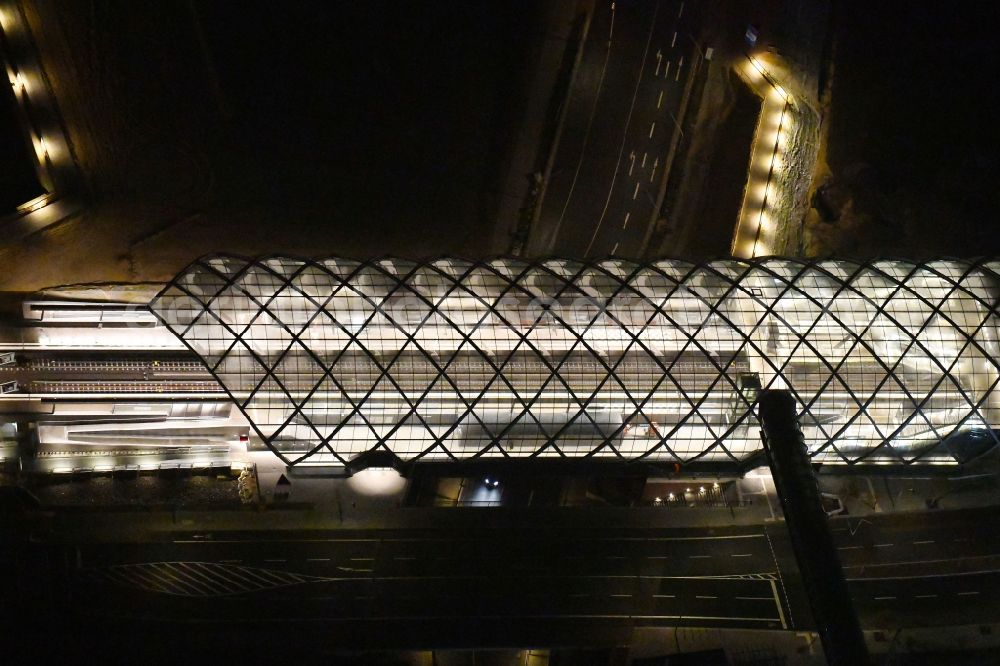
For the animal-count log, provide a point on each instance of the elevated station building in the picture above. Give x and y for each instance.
(333, 362)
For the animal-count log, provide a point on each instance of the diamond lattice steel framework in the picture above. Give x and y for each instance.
(890, 361)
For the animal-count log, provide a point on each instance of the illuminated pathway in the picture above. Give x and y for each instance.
(755, 230)
(43, 124)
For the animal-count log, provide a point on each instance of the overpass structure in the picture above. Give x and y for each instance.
(333, 361)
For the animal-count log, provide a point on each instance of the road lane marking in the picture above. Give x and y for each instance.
(664, 596)
(627, 215)
(635, 192)
(276, 560)
(614, 249)
(704, 596)
(690, 617)
(628, 125)
(590, 121)
(934, 561)
(674, 40)
(952, 574)
(882, 545)
(652, 173)
(920, 543)
(884, 598)
(680, 11)
(742, 555)
(925, 596)
(677, 76)
(620, 596)
(966, 594)
(849, 548)
(659, 100)
(318, 559)
(666, 70)
(694, 557)
(777, 603)
(774, 586)
(652, 126)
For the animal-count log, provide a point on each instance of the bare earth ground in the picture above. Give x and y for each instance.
(203, 129)
(912, 160)
(702, 213)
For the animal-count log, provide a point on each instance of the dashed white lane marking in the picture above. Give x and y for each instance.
(664, 596)
(659, 100)
(704, 596)
(882, 545)
(849, 548)
(281, 560)
(621, 596)
(680, 12)
(318, 559)
(776, 599)
(673, 41)
(652, 126)
(967, 594)
(635, 192)
(925, 596)
(643, 165)
(920, 543)
(614, 249)
(742, 555)
(883, 598)
(629, 214)
(697, 557)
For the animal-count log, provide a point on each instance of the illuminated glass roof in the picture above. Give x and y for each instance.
(451, 359)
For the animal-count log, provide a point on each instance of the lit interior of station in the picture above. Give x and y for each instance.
(318, 363)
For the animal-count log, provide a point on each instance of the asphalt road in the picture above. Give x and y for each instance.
(629, 575)
(925, 569)
(903, 570)
(622, 112)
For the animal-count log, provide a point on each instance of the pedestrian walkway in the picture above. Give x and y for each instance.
(56, 165)
(755, 230)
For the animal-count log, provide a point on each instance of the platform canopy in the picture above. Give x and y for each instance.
(890, 361)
